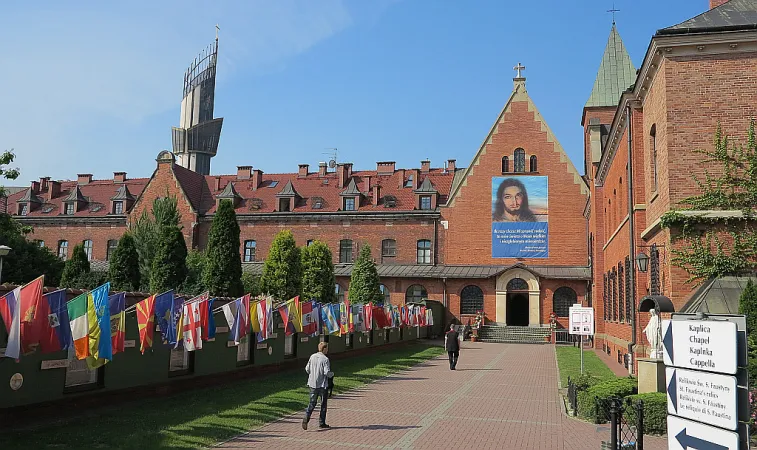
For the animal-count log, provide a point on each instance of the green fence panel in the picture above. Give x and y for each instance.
(38, 385)
(394, 335)
(337, 344)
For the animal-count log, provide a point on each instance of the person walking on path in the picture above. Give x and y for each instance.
(452, 345)
(319, 372)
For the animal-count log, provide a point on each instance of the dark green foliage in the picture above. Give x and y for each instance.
(75, 267)
(586, 380)
(193, 284)
(223, 265)
(655, 411)
(282, 270)
(146, 232)
(123, 271)
(318, 279)
(364, 283)
(748, 307)
(251, 284)
(166, 212)
(169, 265)
(619, 387)
(6, 158)
(26, 260)
(89, 280)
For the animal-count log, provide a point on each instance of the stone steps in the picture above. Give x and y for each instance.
(499, 333)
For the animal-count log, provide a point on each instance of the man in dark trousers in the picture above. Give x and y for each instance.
(319, 372)
(452, 345)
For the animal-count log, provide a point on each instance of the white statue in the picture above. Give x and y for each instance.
(653, 331)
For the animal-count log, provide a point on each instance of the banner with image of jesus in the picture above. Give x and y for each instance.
(520, 213)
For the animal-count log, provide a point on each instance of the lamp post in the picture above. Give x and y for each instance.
(4, 250)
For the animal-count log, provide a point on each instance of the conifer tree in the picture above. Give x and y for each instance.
(75, 267)
(193, 284)
(365, 283)
(748, 307)
(123, 271)
(282, 270)
(223, 265)
(146, 230)
(318, 273)
(169, 265)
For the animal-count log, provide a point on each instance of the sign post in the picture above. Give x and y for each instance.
(581, 324)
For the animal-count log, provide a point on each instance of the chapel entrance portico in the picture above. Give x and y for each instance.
(518, 298)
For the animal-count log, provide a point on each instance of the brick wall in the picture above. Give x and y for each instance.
(76, 233)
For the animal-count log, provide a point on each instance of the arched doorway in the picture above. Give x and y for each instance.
(517, 309)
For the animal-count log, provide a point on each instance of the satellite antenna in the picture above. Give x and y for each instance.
(332, 160)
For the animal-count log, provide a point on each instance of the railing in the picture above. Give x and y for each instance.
(626, 422)
(564, 337)
(573, 397)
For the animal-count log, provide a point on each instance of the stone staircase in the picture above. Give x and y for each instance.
(504, 333)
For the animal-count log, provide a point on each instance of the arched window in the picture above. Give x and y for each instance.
(424, 251)
(532, 163)
(505, 164)
(563, 298)
(471, 300)
(385, 292)
(519, 164)
(517, 284)
(415, 293)
(339, 292)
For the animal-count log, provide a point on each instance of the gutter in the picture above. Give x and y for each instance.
(632, 245)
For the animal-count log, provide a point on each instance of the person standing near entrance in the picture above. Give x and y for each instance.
(452, 345)
(319, 372)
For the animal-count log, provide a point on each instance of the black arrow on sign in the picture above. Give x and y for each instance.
(673, 393)
(667, 341)
(688, 441)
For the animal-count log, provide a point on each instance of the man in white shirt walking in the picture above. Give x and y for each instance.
(319, 372)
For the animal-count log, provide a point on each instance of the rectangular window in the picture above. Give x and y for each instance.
(112, 244)
(349, 204)
(249, 251)
(88, 248)
(426, 202)
(388, 248)
(63, 250)
(409, 182)
(284, 204)
(653, 136)
(243, 350)
(290, 349)
(68, 208)
(118, 207)
(78, 373)
(23, 209)
(424, 252)
(345, 251)
(41, 244)
(309, 242)
(179, 361)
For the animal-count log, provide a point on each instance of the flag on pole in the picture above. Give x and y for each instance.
(18, 310)
(98, 317)
(254, 320)
(12, 319)
(163, 308)
(117, 305)
(331, 321)
(368, 314)
(310, 316)
(52, 319)
(296, 314)
(265, 318)
(284, 311)
(146, 322)
(192, 322)
(79, 321)
(232, 311)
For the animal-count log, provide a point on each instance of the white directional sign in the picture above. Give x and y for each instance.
(581, 320)
(701, 396)
(700, 344)
(687, 435)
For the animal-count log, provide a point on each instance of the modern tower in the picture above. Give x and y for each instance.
(195, 140)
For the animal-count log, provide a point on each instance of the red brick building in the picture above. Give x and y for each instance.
(640, 132)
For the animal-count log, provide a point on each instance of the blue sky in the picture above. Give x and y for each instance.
(95, 87)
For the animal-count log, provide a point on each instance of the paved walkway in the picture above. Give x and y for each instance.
(502, 396)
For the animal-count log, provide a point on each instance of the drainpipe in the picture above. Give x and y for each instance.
(632, 244)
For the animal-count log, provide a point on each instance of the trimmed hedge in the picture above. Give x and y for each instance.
(585, 380)
(655, 411)
(591, 401)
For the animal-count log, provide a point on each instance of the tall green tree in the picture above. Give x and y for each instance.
(193, 283)
(6, 158)
(146, 230)
(26, 259)
(223, 264)
(282, 270)
(169, 265)
(364, 282)
(75, 267)
(318, 279)
(123, 270)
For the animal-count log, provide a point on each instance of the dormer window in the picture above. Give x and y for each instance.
(23, 209)
(118, 207)
(68, 208)
(349, 204)
(409, 182)
(285, 204)
(426, 202)
(317, 203)
(390, 201)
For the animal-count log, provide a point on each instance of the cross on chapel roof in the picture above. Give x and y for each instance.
(518, 69)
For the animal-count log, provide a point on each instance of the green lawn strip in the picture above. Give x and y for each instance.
(569, 364)
(203, 417)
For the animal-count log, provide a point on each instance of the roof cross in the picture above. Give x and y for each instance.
(613, 11)
(518, 68)
(217, 30)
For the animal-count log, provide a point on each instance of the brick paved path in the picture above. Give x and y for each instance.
(503, 396)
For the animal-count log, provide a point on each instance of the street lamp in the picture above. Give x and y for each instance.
(642, 261)
(4, 250)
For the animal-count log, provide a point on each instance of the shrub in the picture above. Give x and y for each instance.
(222, 274)
(593, 401)
(169, 265)
(364, 282)
(251, 284)
(655, 411)
(318, 273)
(123, 270)
(585, 380)
(282, 270)
(75, 267)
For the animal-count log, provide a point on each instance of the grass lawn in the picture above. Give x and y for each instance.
(204, 417)
(569, 364)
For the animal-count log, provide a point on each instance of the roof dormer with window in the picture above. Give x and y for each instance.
(28, 202)
(73, 202)
(287, 198)
(351, 197)
(122, 202)
(426, 196)
(229, 193)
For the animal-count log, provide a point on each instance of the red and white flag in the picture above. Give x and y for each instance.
(192, 331)
(310, 315)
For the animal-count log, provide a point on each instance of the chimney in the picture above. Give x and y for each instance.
(425, 166)
(43, 183)
(376, 194)
(401, 173)
(257, 178)
(54, 191)
(217, 184)
(244, 172)
(451, 165)
(84, 178)
(322, 168)
(385, 167)
(303, 170)
(119, 177)
(416, 178)
(348, 166)
(341, 175)
(35, 187)
(716, 3)
(366, 184)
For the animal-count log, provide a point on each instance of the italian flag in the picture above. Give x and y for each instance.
(78, 317)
